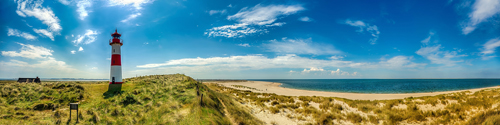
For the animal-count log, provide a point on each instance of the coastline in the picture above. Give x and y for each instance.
(273, 87)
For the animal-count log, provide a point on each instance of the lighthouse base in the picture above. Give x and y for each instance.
(115, 88)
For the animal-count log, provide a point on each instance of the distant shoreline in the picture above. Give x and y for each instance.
(274, 87)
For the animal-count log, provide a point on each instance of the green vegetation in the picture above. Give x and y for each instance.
(454, 108)
(177, 99)
(246, 87)
(157, 99)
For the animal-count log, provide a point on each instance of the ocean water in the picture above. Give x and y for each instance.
(384, 85)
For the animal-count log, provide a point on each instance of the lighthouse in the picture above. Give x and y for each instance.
(115, 76)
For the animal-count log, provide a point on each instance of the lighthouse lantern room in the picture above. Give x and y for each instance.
(116, 63)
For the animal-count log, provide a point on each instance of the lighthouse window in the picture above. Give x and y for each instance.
(113, 50)
(113, 62)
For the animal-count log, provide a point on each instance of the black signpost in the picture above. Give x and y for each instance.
(73, 106)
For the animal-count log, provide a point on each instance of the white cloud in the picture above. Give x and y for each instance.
(212, 12)
(488, 50)
(45, 32)
(14, 62)
(135, 3)
(313, 69)
(332, 72)
(15, 32)
(229, 5)
(357, 23)
(244, 44)
(254, 20)
(336, 57)
(399, 62)
(428, 39)
(374, 32)
(305, 19)
(335, 72)
(256, 62)
(482, 10)
(80, 49)
(299, 46)
(344, 73)
(436, 55)
(65, 2)
(73, 51)
(46, 15)
(87, 38)
(354, 74)
(276, 24)
(372, 29)
(30, 51)
(38, 53)
(94, 68)
(262, 15)
(253, 62)
(131, 16)
(231, 31)
(82, 5)
(49, 65)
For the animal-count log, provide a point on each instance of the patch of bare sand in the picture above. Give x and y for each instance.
(279, 118)
(429, 107)
(400, 106)
(273, 87)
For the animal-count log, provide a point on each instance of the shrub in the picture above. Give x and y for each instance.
(325, 119)
(354, 118)
(492, 120)
(373, 119)
(274, 110)
(486, 117)
(274, 103)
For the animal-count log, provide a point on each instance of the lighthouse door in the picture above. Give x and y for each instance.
(113, 80)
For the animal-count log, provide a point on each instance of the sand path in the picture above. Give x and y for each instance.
(275, 88)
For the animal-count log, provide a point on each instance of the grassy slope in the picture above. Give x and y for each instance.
(481, 107)
(159, 99)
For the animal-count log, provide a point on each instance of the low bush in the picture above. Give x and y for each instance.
(354, 118)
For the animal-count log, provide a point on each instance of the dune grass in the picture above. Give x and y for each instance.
(156, 99)
(455, 108)
(173, 99)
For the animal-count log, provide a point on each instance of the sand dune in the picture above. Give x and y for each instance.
(270, 87)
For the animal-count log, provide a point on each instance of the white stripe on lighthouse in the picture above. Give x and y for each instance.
(116, 71)
(115, 49)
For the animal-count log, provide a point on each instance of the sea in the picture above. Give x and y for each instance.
(384, 85)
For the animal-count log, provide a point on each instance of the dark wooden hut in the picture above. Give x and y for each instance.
(28, 80)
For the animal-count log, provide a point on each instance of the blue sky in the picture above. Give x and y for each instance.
(323, 39)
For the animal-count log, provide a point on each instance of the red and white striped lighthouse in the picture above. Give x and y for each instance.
(116, 61)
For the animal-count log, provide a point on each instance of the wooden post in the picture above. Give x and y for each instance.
(201, 100)
(73, 106)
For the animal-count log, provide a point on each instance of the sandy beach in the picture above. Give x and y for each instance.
(270, 87)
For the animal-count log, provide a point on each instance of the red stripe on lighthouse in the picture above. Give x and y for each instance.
(116, 60)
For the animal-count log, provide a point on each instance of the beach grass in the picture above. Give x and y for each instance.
(155, 99)
(465, 107)
(174, 99)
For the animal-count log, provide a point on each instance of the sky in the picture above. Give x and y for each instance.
(252, 39)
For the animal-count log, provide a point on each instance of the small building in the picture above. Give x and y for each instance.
(28, 80)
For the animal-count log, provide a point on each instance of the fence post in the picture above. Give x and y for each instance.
(201, 100)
